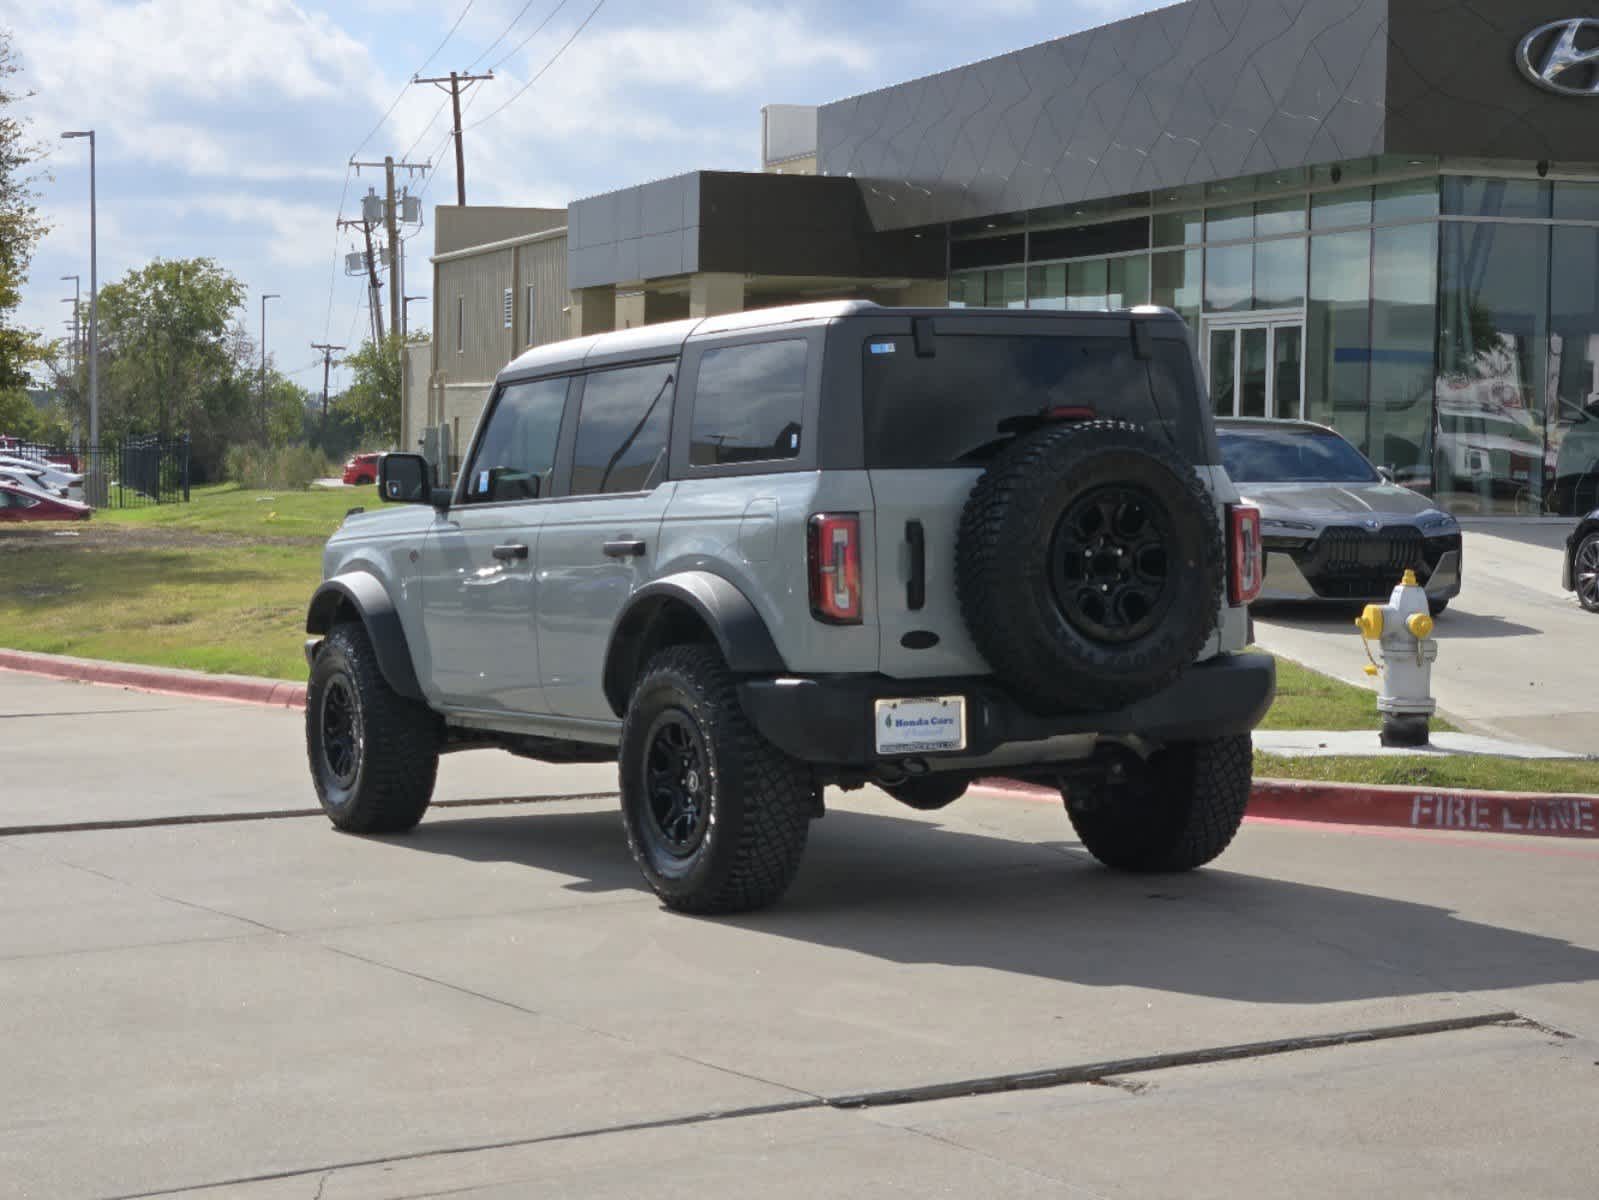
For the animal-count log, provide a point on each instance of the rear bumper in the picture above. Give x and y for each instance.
(830, 720)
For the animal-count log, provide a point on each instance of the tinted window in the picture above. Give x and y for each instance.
(516, 455)
(621, 430)
(974, 393)
(749, 403)
(1291, 456)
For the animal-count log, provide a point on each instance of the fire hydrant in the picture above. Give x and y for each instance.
(1402, 629)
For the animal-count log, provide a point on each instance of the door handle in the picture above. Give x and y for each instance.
(514, 550)
(626, 548)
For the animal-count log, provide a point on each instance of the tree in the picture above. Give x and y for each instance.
(20, 226)
(18, 416)
(373, 397)
(169, 351)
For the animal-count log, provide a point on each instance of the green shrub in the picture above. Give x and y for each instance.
(291, 468)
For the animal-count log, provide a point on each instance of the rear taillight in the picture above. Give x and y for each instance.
(1245, 564)
(835, 567)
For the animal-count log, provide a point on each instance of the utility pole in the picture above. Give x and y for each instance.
(265, 296)
(370, 270)
(77, 328)
(391, 220)
(327, 364)
(457, 83)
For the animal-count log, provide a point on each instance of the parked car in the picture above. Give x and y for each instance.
(1332, 527)
(1581, 573)
(26, 504)
(363, 468)
(755, 555)
(32, 480)
(51, 476)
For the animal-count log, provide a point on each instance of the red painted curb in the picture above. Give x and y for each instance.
(239, 688)
(1539, 814)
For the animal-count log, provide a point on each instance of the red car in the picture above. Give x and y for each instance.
(363, 468)
(25, 504)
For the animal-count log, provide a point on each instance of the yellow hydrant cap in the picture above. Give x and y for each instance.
(1410, 578)
(1370, 668)
(1420, 626)
(1369, 622)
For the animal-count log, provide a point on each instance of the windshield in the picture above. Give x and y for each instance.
(1291, 456)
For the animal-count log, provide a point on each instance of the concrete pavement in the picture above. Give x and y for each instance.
(1513, 655)
(493, 1006)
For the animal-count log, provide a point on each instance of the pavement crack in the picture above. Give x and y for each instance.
(1009, 1164)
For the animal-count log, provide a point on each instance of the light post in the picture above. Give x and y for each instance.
(94, 305)
(265, 296)
(405, 314)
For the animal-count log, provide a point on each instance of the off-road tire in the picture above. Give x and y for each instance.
(396, 740)
(760, 801)
(1177, 815)
(1439, 607)
(928, 794)
(1007, 576)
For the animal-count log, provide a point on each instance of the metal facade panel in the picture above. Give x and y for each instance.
(474, 292)
(1204, 90)
(543, 268)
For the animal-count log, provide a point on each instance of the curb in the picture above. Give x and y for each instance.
(1536, 814)
(165, 680)
(1461, 811)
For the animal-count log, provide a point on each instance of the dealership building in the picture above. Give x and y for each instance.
(1378, 214)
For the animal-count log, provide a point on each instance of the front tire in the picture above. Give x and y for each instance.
(1585, 572)
(1178, 813)
(374, 754)
(716, 817)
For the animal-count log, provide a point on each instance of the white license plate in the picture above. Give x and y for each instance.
(920, 726)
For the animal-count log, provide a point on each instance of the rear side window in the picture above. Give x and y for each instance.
(748, 403)
(965, 402)
(516, 454)
(622, 428)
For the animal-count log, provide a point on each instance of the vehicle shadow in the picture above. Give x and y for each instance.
(910, 891)
(1339, 618)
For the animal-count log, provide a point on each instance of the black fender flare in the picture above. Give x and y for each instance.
(364, 593)
(741, 635)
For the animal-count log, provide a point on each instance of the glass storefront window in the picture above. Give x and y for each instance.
(1174, 282)
(1046, 286)
(1576, 202)
(1280, 273)
(1178, 229)
(1229, 278)
(1230, 224)
(1006, 288)
(1493, 298)
(1336, 210)
(1572, 456)
(1129, 282)
(1413, 200)
(1399, 420)
(1280, 216)
(1472, 196)
(1085, 285)
(966, 289)
(1338, 331)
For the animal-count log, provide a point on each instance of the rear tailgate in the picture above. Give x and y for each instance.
(938, 405)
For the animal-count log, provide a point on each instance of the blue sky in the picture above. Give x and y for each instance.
(224, 126)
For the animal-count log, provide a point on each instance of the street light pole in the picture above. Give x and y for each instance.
(94, 301)
(265, 296)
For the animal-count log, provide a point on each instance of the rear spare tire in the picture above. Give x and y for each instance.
(1089, 565)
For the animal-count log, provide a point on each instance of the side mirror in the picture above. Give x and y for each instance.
(405, 479)
(1387, 474)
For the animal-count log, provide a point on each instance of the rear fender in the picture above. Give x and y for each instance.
(360, 595)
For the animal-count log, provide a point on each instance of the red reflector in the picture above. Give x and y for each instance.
(1245, 562)
(835, 567)
(1070, 412)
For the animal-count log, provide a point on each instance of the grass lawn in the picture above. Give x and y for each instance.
(218, 584)
(1462, 771)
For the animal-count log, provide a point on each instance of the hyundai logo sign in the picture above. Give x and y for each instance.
(1563, 56)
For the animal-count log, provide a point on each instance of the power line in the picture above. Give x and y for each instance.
(537, 29)
(554, 58)
(457, 81)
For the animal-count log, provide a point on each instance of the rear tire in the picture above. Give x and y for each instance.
(716, 816)
(374, 754)
(1179, 813)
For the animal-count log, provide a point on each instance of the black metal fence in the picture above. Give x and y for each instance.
(130, 473)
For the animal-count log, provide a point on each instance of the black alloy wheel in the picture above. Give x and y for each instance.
(1585, 572)
(677, 780)
(1110, 565)
(342, 738)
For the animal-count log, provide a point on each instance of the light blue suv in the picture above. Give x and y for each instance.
(752, 556)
